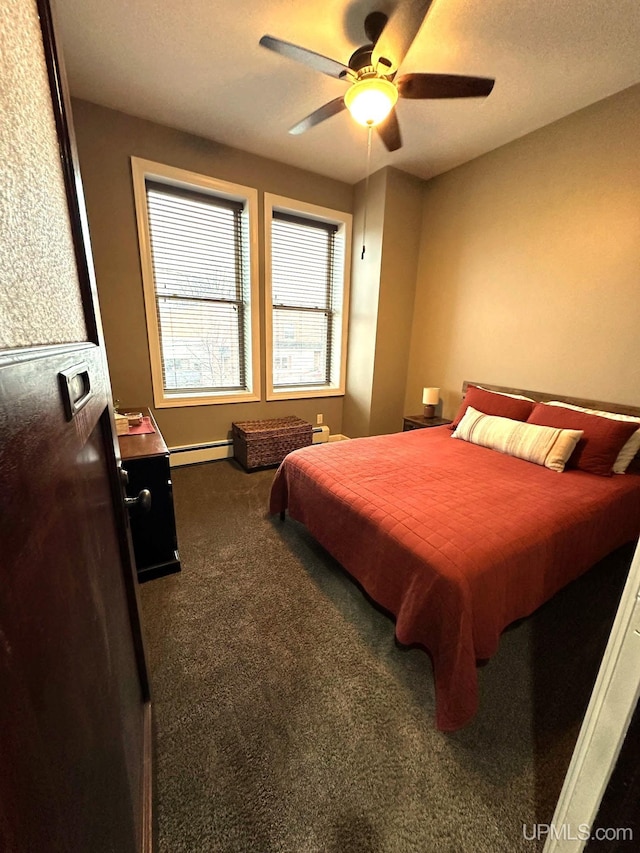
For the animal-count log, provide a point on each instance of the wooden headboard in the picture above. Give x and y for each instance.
(543, 397)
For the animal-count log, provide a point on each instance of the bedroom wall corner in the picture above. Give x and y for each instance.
(363, 303)
(382, 297)
(400, 249)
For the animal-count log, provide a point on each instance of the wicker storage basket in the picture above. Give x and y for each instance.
(258, 444)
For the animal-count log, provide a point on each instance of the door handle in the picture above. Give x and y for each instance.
(75, 384)
(143, 500)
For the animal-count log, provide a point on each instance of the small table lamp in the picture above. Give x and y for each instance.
(430, 397)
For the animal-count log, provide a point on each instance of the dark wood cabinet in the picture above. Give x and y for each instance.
(420, 422)
(145, 458)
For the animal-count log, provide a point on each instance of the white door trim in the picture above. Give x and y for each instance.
(605, 725)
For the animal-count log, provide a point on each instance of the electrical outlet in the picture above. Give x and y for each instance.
(319, 419)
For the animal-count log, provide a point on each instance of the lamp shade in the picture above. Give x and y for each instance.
(370, 100)
(430, 396)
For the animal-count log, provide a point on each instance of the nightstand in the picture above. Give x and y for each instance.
(420, 422)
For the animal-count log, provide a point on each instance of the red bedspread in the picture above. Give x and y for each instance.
(457, 541)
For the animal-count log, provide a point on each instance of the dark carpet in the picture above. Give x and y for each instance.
(289, 721)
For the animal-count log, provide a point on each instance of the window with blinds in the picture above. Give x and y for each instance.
(307, 304)
(198, 301)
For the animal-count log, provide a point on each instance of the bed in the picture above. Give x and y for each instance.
(454, 539)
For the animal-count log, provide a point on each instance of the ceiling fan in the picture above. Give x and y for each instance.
(371, 72)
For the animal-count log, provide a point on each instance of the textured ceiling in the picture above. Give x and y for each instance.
(196, 65)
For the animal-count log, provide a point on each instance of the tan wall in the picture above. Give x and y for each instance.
(363, 311)
(382, 297)
(400, 250)
(529, 271)
(106, 141)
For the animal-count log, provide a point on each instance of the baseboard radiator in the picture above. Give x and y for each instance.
(223, 449)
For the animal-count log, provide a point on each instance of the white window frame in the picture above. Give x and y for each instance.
(343, 221)
(143, 170)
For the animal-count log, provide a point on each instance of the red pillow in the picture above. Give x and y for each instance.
(603, 438)
(490, 403)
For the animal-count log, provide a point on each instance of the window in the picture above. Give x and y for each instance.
(307, 252)
(199, 285)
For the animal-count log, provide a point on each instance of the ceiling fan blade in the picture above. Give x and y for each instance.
(330, 109)
(443, 86)
(300, 54)
(398, 35)
(389, 131)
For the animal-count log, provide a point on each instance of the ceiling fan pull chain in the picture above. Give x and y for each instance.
(366, 192)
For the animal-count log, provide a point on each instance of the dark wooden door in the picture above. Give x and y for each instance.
(75, 752)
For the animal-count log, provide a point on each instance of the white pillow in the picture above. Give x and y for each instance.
(632, 446)
(543, 445)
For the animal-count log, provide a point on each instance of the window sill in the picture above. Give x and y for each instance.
(206, 400)
(303, 393)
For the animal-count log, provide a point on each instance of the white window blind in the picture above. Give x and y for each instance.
(306, 290)
(199, 260)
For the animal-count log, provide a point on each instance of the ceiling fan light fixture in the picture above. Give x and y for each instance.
(371, 100)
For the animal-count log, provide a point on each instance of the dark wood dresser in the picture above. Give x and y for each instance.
(145, 458)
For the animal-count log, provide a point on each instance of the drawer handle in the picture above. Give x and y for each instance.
(143, 500)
